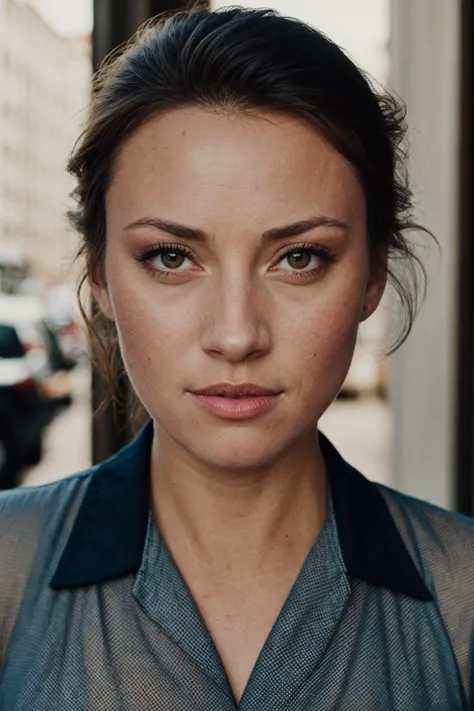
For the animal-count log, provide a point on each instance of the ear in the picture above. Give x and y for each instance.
(101, 294)
(376, 283)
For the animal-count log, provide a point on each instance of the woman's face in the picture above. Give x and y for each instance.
(236, 253)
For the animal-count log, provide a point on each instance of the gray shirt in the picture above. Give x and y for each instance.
(95, 616)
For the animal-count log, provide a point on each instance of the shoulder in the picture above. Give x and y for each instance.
(434, 531)
(34, 517)
(34, 524)
(34, 521)
(30, 515)
(440, 541)
(27, 510)
(441, 544)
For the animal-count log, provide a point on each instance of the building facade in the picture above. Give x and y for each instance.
(44, 86)
(425, 71)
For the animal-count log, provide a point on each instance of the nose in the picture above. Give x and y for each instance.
(236, 326)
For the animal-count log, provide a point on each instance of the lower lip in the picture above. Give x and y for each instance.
(242, 408)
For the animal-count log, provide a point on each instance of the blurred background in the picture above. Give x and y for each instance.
(405, 421)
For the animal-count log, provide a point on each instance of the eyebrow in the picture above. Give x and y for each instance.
(275, 233)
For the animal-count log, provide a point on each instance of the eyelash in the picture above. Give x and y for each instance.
(158, 249)
(323, 254)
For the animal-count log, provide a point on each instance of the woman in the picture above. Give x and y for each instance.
(241, 201)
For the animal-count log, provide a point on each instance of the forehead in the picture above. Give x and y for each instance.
(205, 163)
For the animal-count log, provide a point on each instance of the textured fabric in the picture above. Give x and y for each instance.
(95, 616)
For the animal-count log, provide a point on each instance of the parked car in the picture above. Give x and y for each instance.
(39, 336)
(34, 385)
(24, 410)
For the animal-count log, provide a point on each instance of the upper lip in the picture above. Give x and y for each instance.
(236, 390)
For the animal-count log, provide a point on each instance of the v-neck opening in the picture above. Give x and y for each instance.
(166, 598)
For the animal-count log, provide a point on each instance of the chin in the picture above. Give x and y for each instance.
(252, 444)
(231, 452)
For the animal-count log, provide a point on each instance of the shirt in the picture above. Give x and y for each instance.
(95, 616)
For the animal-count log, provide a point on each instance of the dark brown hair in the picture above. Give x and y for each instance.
(242, 60)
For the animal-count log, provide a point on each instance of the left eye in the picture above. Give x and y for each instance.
(301, 260)
(171, 260)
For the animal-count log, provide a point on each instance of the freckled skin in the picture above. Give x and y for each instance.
(233, 318)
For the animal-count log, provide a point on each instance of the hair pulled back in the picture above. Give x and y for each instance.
(244, 60)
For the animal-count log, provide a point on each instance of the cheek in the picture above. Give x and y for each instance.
(152, 343)
(326, 333)
(329, 346)
(153, 333)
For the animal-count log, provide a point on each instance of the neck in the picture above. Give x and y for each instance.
(241, 522)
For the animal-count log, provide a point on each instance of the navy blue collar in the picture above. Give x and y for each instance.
(108, 535)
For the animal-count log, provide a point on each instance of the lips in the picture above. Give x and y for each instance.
(236, 401)
(236, 391)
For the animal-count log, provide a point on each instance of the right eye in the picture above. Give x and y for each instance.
(166, 259)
